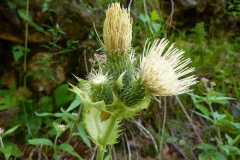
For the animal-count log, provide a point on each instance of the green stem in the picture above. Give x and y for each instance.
(2, 145)
(189, 119)
(163, 126)
(26, 44)
(26, 119)
(146, 13)
(72, 128)
(215, 120)
(100, 154)
(55, 141)
(55, 146)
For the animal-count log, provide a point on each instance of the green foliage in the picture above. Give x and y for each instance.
(214, 55)
(8, 102)
(18, 52)
(226, 148)
(233, 9)
(210, 152)
(63, 95)
(153, 22)
(8, 148)
(65, 121)
(199, 36)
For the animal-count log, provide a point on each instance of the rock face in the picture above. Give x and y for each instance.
(56, 24)
(189, 12)
(189, 4)
(13, 26)
(199, 5)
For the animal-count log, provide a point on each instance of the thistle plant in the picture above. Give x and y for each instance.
(122, 86)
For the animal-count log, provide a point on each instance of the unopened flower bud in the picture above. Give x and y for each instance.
(75, 114)
(212, 84)
(117, 29)
(61, 127)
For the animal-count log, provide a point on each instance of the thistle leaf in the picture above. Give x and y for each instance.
(96, 127)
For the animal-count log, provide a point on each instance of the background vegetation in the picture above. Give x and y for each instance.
(42, 43)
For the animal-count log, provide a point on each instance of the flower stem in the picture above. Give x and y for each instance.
(189, 119)
(55, 145)
(215, 120)
(25, 47)
(163, 126)
(106, 135)
(72, 128)
(2, 145)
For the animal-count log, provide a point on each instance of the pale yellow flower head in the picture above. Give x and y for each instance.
(117, 29)
(160, 72)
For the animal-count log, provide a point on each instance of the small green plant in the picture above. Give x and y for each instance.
(199, 36)
(227, 147)
(65, 121)
(6, 147)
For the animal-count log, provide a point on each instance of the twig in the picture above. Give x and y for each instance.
(128, 147)
(163, 126)
(171, 16)
(189, 119)
(85, 61)
(130, 3)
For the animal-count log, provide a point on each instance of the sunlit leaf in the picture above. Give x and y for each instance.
(40, 141)
(74, 104)
(203, 109)
(154, 16)
(156, 26)
(9, 131)
(83, 134)
(44, 114)
(144, 17)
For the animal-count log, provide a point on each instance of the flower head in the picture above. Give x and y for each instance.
(117, 29)
(75, 114)
(160, 72)
(61, 127)
(99, 80)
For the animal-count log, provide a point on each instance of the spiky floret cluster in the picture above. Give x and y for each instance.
(161, 72)
(101, 89)
(133, 93)
(117, 65)
(117, 29)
